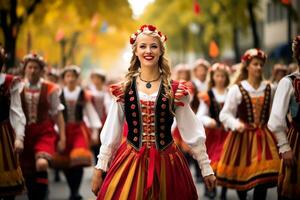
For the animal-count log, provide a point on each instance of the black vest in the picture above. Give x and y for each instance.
(78, 109)
(214, 107)
(245, 109)
(163, 119)
(294, 105)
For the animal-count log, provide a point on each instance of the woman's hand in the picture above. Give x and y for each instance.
(61, 145)
(96, 181)
(95, 136)
(19, 145)
(210, 182)
(288, 158)
(241, 127)
(212, 124)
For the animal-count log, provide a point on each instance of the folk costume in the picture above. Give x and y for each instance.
(249, 158)
(77, 153)
(12, 123)
(101, 100)
(210, 108)
(40, 103)
(287, 100)
(149, 165)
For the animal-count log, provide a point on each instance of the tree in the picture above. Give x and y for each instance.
(11, 23)
(38, 22)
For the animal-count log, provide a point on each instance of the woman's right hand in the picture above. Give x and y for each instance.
(212, 124)
(96, 181)
(288, 158)
(241, 127)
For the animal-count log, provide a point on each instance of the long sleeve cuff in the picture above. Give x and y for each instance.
(282, 142)
(284, 148)
(104, 158)
(199, 153)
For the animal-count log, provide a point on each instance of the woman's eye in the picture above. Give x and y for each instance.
(142, 46)
(154, 46)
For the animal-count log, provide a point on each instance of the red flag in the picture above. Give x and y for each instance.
(197, 8)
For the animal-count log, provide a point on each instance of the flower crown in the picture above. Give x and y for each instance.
(251, 53)
(220, 66)
(202, 62)
(34, 57)
(147, 29)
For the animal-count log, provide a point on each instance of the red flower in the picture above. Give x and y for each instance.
(151, 28)
(132, 40)
(143, 26)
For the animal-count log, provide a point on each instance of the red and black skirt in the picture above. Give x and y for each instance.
(249, 159)
(148, 174)
(77, 152)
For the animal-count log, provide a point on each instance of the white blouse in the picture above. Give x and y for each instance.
(88, 110)
(277, 121)
(203, 110)
(16, 115)
(201, 86)
(190, 127)
(102, 100)
(32, 99)
(234, 98)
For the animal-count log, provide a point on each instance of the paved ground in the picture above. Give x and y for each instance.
(59, 191)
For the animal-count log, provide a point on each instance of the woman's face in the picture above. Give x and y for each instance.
(219, 78)
(255, 68)
(70, 78)
(183, 75)
(148, 50)
(33, 71)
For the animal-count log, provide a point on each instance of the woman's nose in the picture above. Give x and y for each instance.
(148, 49)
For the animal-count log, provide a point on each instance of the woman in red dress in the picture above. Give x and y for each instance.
(209, 110)
(149, 165)
(12, 123)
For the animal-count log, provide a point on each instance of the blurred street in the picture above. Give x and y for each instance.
(59, 191)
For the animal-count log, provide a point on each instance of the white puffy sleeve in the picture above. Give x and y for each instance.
(90, 112)
(277, 121)
(16, 114)
(111, 135)
(192, 132)
(55, 104)
(203, 114)
(228, 113)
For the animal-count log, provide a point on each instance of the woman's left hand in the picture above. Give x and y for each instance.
(61, 145)
(210, 182)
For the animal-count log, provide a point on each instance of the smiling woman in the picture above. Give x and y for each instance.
(149, 165)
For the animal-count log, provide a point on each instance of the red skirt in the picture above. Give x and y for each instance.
(148, 174)
(249, 159)
(215, 138)
(39, 142)
(289, 178)
(77, 152)
(11, 179)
